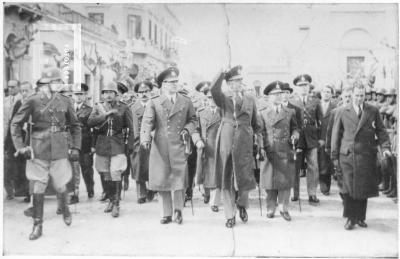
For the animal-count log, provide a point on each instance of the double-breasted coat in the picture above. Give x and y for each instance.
(111, 144)
(324, 161)
(208, 124)
(234, 149)
(140, 156)
(355, 144)
(278, 170)
(168, 169)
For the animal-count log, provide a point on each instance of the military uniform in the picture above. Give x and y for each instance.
(172, 118)
(311, 135)
(111, 160)
(234, 151)
(278, 128)
(209, 119)
(140, 156)
(51, 118)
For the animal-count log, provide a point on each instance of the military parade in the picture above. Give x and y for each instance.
(242, 142)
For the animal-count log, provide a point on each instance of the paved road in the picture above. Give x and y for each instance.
(317, 231)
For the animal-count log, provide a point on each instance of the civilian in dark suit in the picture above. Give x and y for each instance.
(357, 131)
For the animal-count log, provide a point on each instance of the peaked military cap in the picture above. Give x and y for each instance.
(286, 87)
(381, 91)
(122, 88)
(145, 83)
(303, 79)
(392, 91)
(50, 74)
(234, 73)
(201, 87)
(274, 87)
(171, 72)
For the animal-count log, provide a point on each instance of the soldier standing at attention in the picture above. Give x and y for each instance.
(172, 117)
(234, 150)
(52, 115)
(140, 156)
(111, 117)
(311, 116)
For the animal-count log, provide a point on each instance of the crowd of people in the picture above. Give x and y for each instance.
(224, 137)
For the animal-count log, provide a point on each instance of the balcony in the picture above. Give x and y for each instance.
(67, 15)
(143, 46)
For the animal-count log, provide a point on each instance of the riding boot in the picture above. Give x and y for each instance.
(59, 207)
(38, 200)
(104, 185)
(110, 194)
(117, 198)
(67, 217)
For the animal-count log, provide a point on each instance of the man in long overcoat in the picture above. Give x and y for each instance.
(234, 151)
(357, 132)
(172, 117)
(140, 156)
(325, 165)
(280, 133)
(209, 119)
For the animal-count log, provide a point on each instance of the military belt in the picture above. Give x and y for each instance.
(104, 133)
(235, 123)
(53, 128)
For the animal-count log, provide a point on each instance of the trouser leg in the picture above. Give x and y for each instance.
(166, 203)
(243, 199)
(215, 197)
(312, 171)
(283, 200)
(38, 203)
(271, 200)
(141, 189)
(361, 209)
(229, 203)
(296, 186)
(9, 174)
(86, 162)
(178, 200)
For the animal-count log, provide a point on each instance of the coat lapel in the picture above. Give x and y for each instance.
(214, 118)
(364, 117)
(275, 118)
(245, 102)
(352, 114)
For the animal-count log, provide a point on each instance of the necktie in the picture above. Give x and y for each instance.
(359, 111)
(304, 101)
(277, 109)
(172, 100)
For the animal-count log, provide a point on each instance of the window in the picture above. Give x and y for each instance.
(155, 33)
(149, 29)
(166, 40)
(97, 17)
(87, 79)
(355, 66)
(161, 38)
(134, 26)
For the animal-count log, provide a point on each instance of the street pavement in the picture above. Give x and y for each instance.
(316, 231)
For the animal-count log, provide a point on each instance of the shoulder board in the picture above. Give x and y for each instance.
(201, 109)
(262, 108)
(156, 96)
(184, 95)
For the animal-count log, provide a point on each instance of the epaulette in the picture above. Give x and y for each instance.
(201, 109)
(184, 94)
(153, 97)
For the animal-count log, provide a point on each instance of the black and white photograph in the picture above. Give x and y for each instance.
(200, 129)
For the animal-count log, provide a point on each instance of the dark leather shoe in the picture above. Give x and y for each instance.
(206, 199)
(178, 217)
(141, 200)
(313, 199)
(36, 231)
(286, 215)
(349, 224)
(27, 199)
(74, 199)
(104, 197)
(29, 212)
(270, 215)
(230, 223)
(326, 193)
(166, 220)
(90, 194)
(362, 223)
(109, 207)
(150, 195)
(387, 191)
(243, 214)
(59, 211)
(214, 208)
(295, 198)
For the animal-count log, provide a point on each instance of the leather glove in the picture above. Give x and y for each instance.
(73, 155)
(321, 143)
(185, 135)
(336, 166)
(386, 153)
